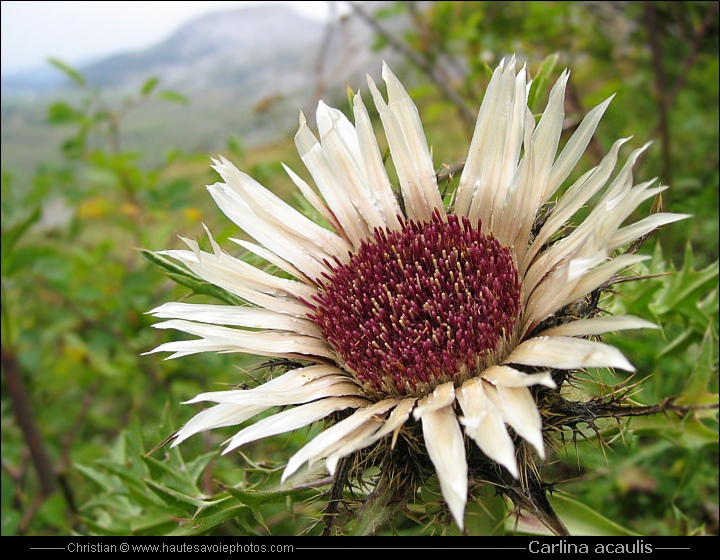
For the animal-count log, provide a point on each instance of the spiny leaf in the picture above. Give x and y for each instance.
(197, 466)
(258, 498)
(174, 498)
(176, 478)
(159, 522)
(187, 278)
(696, 392)
(105, 482)
(201, 525)
(685, 284)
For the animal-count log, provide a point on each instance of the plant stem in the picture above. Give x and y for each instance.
(660, 88)
(466, 113)
(26, 421)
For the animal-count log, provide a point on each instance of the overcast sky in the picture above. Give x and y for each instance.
(84, 30)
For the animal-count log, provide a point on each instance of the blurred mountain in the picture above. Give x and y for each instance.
(264, 50)
(218, 50)
(31, 82)
(246, 72)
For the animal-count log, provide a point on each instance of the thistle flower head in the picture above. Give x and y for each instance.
(429, 320)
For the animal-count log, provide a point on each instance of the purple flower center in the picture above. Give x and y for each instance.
(420, 306)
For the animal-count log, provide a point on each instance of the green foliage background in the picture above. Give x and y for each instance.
(81, 407)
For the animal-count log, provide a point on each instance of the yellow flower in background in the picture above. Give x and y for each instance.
(430, 321)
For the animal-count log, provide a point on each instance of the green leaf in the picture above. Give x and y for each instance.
(539, 83)
(173, 97)
(30, 257)
(14, 233)
(62, 113)
(149, 86)
(579, 519)
(105, 482)
(10, 522)
(69, 71)
(54, 511)
(74, 148)
(582, 520)
(688, 432)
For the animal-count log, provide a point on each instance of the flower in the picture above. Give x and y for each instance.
(411, 312)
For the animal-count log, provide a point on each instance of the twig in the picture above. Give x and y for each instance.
(446, 172)
(26, 421)
(466, 113)
(660, 87)
(336, 494)
(433, 47)
(620, 411)
(690, 59)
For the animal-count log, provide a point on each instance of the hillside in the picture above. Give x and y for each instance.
(245, 72)
(270, 46)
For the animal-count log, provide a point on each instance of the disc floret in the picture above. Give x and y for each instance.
(416, 307)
